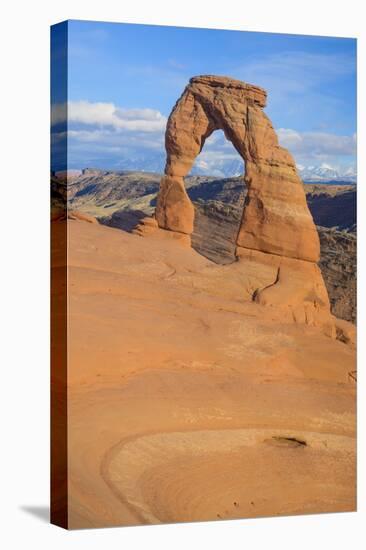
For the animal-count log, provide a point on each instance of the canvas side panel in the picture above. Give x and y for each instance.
(59, 470)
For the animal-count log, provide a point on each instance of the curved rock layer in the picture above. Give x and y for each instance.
(276, 222)
(168, 477)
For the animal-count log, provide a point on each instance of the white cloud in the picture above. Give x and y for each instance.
(316, 144)
(108, 114)
(112, 138)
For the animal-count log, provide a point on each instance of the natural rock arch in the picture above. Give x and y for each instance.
(276, 218)
(277, 245)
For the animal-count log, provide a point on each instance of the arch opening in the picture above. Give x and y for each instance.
(218, 158)
(217, 189)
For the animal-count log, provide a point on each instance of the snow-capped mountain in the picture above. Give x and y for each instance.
(231, 167)
(142, 163)
(235, 167)
(222, 168)
(325, 172)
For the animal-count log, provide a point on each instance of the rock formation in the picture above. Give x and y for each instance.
(147, 227)
(276, 218)
(277, 231)
(62, 215)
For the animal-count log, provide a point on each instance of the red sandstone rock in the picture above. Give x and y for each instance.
(76, 215)
(148, 227)
(64, 214)
(276, 218)
(294, 287)
(174, 209)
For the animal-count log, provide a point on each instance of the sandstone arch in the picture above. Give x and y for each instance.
(276, 218)
(277, 245)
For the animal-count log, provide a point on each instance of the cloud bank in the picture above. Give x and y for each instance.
(317, 146)
(110, 116)
(104, 135)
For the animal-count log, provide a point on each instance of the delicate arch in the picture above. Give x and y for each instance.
(275, 218)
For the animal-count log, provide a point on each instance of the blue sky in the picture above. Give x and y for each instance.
(124, 79)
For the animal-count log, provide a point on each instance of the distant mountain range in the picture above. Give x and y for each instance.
(102, 193)
(325, 172)
(322, 173)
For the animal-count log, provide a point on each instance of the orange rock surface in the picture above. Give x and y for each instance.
(187, 400)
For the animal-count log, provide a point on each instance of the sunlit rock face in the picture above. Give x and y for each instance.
(276, 218)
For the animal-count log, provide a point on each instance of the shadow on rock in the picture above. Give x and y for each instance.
(127, 220)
